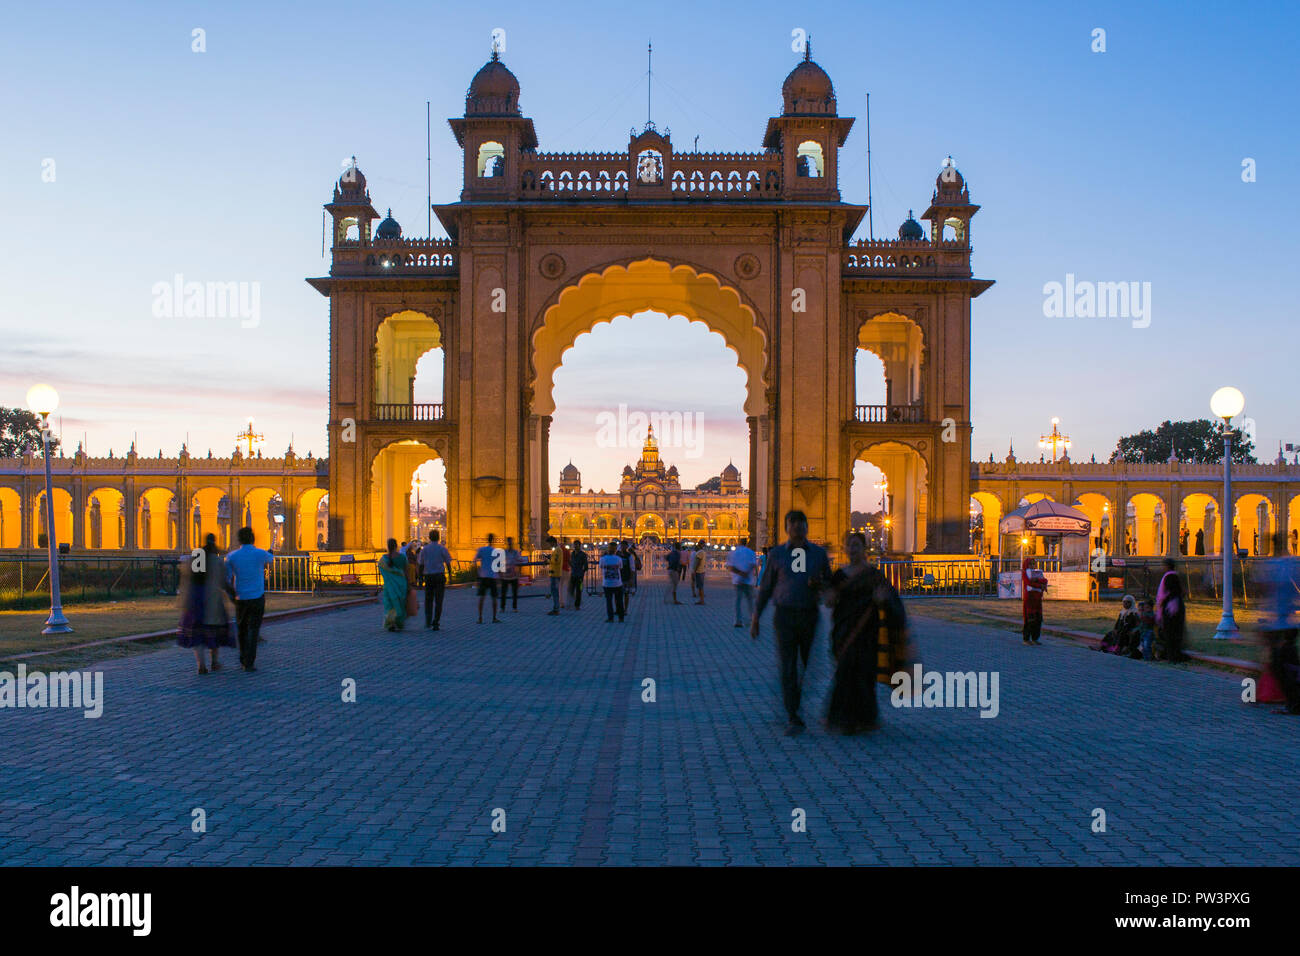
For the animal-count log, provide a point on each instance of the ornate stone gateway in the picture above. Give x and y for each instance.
(545, 245)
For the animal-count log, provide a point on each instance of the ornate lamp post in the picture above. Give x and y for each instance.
(1055, 440)
(1227, 403)
(42, 400)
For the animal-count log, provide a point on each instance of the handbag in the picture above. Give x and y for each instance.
(412, 601)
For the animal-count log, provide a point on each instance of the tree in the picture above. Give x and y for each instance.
(1194, 442)
(714, 485)
(20, 430)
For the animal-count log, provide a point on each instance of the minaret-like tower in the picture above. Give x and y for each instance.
(809, 133)
(351, 208)
(950, 206)
(492, 133)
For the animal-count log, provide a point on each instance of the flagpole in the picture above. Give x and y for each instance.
(871, 225)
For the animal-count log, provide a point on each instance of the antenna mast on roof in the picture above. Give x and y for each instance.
(871, 226)
(649, 51)
(428, 169)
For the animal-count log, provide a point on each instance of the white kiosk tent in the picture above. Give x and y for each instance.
(1065, 527)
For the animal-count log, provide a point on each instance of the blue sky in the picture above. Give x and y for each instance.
(1115, 166)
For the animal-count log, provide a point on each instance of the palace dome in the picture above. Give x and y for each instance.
(911, 229)
(353, 180)
(949, 178)
(570, 471)
(731, 471)
(808, 88)
(389, 228)
(493, 91)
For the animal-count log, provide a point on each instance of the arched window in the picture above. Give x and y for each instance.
(491, 160)
(810, 163)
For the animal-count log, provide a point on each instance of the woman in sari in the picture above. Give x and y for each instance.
(1171, 613)
(862, 602)
(392, 569)
(204, 621)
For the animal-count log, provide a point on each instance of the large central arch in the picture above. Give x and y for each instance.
(623, 290)
(648, 285)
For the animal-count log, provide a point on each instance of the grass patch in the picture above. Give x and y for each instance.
(1099, 618)
(20, 631)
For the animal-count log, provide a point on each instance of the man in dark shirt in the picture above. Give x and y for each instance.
(792, 580)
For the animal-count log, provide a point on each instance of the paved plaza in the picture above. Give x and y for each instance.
(539, 723)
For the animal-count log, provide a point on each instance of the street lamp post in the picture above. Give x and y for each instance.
(1227, 403)
(42, 400)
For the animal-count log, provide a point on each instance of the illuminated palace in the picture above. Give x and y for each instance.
(651, 506)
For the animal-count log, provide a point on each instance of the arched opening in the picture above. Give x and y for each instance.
(408, 493)
(210, 514)
(1293, 529)
(491, 160)
(674, 446)
(1098, 509)
(105, 520)
(260, 510)
(62, 518)
(897, 346)
(1199, 514)
(312, 510)
(889, 478)
(409, 367)
(1254, 525)
(986, 515)
(810, 162)
(11, 522)
(156, 528)
(1146, 525)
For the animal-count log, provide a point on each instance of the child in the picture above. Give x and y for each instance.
(1146, 628)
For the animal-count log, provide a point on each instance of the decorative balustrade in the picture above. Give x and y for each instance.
(408, 412)
(889, 414)
(867, 257)
(708, 176)
(396, 256)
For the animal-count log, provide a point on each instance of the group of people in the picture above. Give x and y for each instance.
(401, 571)
(210, 579)
(868, 640)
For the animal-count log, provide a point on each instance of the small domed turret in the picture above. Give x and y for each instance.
(808, 88)
(494, 91)
(911, 229)
(389, 228)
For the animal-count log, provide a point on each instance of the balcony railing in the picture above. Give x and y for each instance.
(408, 412)
(887, 414)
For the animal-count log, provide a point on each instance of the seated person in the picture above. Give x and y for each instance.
(1123, 637)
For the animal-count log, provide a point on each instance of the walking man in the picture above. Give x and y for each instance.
(246, 570)
(510, 576)
(435, 559)
(577, 572)
(611, 577)
(488, 565)
(742, 562)
(674, 572)
(555, 570)
(795, 574)
(697, 572)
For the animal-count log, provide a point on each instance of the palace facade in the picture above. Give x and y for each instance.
(651, 506)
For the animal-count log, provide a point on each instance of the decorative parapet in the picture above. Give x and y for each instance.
(1133, 471)
(920, 257)
(82, 464)
(436, 257)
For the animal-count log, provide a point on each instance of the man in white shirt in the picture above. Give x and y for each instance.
(611, 577)
(490, 559)
(742, 562)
